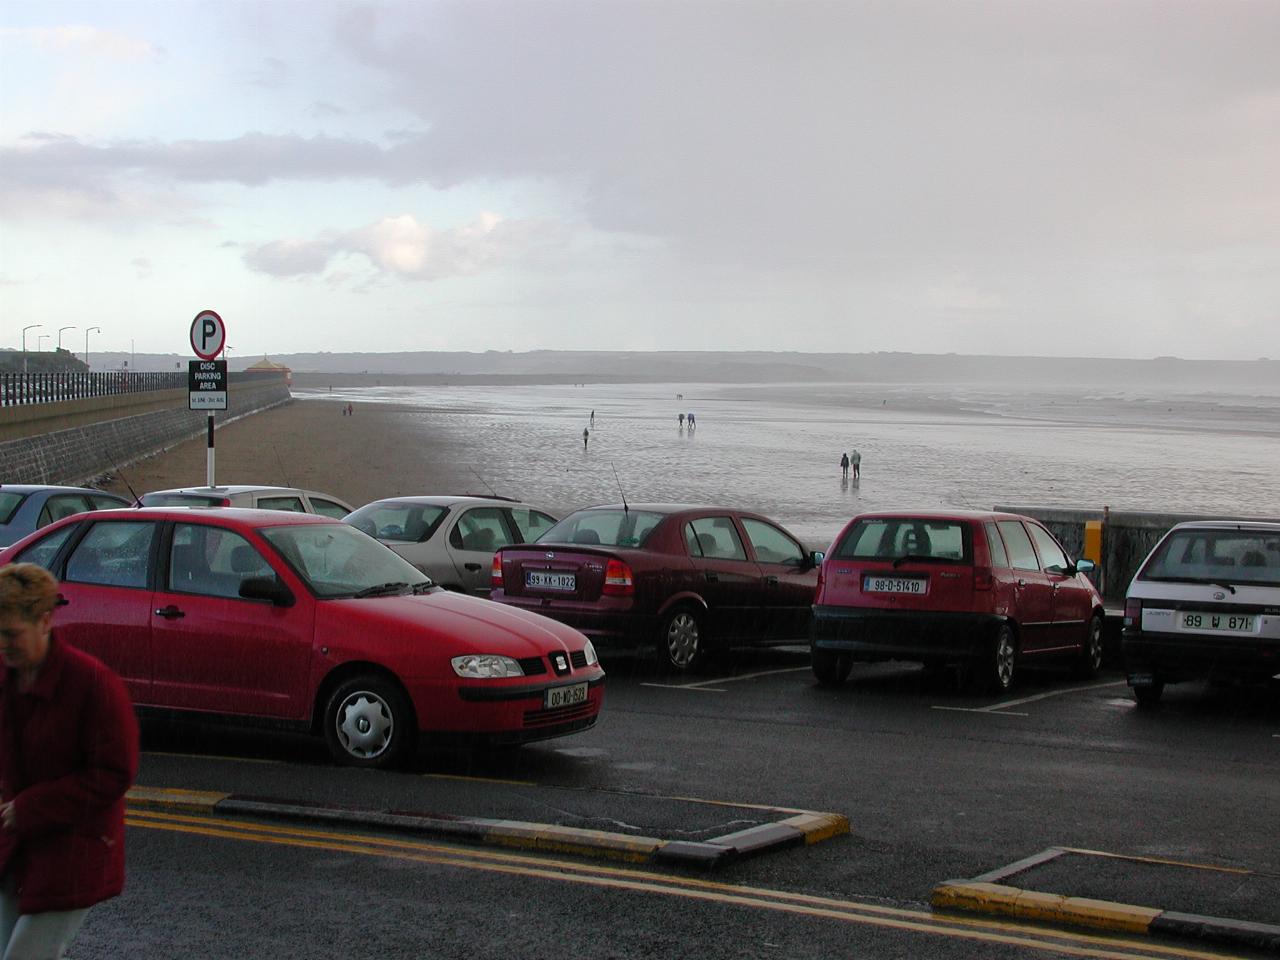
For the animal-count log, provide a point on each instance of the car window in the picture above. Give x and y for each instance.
(716, 537)
(114, 554)
(182, 500)
(771, 544)
(480, 529)
(999, 558)
(1216, 556)
(327, 508)
(402, 522)
(291, 504)
(9, 503)
(212, 561)
(100, 502)
(1052, 559)
(893, 538)
(61, 505)
(43, 551)
(1022, 556)
(337, 560)
(531, 523)
(611, 528)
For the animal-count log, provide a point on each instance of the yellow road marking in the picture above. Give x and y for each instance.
(1158, 860)
(457, 776)
(647, 882)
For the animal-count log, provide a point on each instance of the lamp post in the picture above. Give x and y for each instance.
(88, 331)
(60, 329)
(24, 343)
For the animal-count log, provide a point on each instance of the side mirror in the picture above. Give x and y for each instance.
(266, 588)
(813, 559)
(1085, 566)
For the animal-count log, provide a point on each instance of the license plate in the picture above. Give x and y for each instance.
(565, 696)
(546, 580)
(1216, 622)
(893, 585)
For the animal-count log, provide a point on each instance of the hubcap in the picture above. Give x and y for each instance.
(682, 640)
(1004, 659)
(365, 725)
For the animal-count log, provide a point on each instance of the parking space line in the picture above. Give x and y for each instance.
(987, 710)
(999, 709)
(703, 684)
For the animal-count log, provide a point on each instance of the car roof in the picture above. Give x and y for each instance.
(53, 488)
(230, 489)
(942, 515)
(662, 507)
(238, 516)
(447, 500)
(1262, 526)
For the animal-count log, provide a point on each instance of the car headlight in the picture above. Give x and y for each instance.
(486, 666)
(590, 651)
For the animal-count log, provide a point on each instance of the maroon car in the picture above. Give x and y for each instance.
(684, 579)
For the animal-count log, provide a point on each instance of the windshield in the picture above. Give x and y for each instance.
(337, 560)
(608, 528)
(398, 521)
(9, 504)
(1216, 556)
(903, 538)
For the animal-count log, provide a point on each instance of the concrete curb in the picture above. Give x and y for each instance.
(801, 829)
(995, 898)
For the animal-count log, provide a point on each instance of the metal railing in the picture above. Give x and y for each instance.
(25, 388)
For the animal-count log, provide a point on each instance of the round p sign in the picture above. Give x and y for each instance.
(208, 335)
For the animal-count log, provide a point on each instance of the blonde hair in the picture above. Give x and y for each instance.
(27, 590)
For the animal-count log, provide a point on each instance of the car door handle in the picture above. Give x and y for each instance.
(472, 567)
(771, 580)
(61, 601)
(1022, 583)
(712, 576)
(170, 612)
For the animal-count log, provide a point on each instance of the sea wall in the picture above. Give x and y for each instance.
(73, 441)
(1127, 538)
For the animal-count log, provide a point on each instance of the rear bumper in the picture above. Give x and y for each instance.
(1172, 657)
(899, 635)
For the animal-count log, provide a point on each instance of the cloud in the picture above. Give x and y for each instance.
(404, 247)
(79, 41)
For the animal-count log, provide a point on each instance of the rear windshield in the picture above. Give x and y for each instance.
(903, 538)
(608, 528)
(9, 504)
(182, 500)
(1216, 556)
(401, 522)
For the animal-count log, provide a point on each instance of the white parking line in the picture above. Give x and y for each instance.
(1000, 708)
(703, 685)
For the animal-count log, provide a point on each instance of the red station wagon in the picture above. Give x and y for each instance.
(304, 620)
(685, 579)
(989, 591)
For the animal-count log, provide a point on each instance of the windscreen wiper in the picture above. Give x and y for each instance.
(1225, 586)
(380, 589)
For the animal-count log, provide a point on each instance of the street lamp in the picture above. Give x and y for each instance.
(60, 329)
(24, 343)
(86, 344)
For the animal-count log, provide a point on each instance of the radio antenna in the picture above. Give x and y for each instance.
(284, 474)
(120, 473)
(492, 491)
(625, 508)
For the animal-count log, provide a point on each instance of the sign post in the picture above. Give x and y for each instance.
(207, 377)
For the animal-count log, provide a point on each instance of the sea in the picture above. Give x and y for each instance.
(776, 448)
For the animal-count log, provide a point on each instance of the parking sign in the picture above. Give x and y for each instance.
(208, 335)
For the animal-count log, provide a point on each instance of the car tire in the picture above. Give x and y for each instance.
(994, 672)
(369, 722)
(831, 667)
(1148, 694)
(1089, 660)
(682, 640)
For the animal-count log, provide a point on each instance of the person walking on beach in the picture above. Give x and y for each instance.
(844, 466)
(680, 417)
(68, 754)
(855, 461)
(593, 418)
(586, 434)
(692, 422)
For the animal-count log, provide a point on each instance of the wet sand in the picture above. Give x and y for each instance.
(309, 443)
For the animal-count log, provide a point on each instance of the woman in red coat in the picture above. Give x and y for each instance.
(68, 754)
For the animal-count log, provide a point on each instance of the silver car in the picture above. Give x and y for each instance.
(249, 495)
(452, 539)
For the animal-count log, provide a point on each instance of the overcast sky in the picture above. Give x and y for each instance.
(1056, 177)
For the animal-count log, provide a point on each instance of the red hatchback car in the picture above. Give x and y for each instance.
(682, 578)
(989, 591)
(304, 620)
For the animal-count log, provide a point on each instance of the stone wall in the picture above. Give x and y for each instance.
(75, 454)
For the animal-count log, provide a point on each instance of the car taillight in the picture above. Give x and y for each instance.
(617, 580)
(495, 576)
(822, 582)
(1132, 612)
(982, 579)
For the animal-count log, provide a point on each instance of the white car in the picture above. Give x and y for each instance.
(452, 539)
(247, 495)
(1205, 604)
